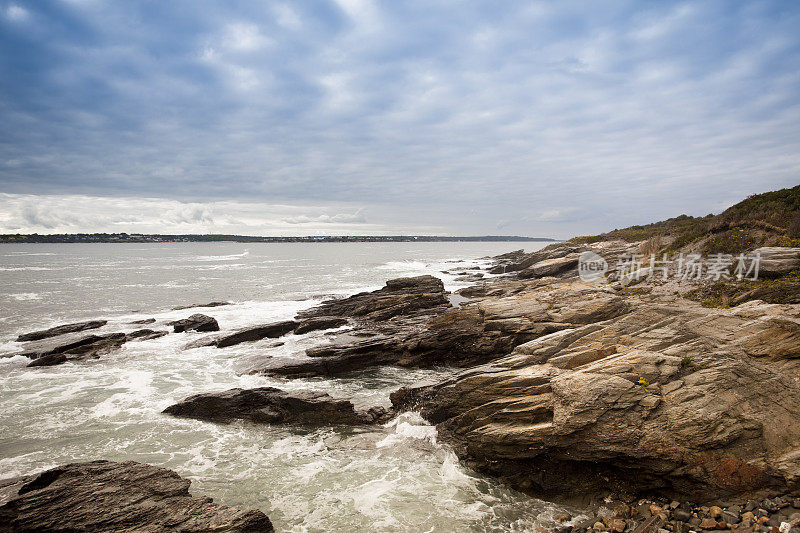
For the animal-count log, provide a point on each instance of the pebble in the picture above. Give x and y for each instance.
(680, 514)
(562, 517)
(708, 523)
(655, 509)
(772, 515)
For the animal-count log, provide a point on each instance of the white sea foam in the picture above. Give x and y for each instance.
(25, 296)
(395, 477)
(230, 257)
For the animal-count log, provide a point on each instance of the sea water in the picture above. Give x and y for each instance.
(394, 477)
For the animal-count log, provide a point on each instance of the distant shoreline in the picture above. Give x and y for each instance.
(139, 238)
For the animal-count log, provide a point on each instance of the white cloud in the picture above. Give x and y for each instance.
(20, 213)
(347, 218)
(243, 37)
(16, 13)
(287, 17)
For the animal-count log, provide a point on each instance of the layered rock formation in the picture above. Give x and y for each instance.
(627, 394)
(108, 496)
(61, 330)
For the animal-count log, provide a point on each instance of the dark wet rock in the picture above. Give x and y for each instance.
(146, 334)
(336, 359)
(61, 330)
(196, 322)
(91, 346)
(209, 304)
(317, 323)
(256, 333)
(268, 405)
(121, 497)
(143, 321)
(403, 296)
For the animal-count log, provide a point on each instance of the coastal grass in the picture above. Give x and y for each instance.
(768, 219)
(724, 294)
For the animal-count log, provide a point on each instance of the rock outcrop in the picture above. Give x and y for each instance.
(61, 330)
(403, 296)
(256, 333)
(777, 261)
(632, 395)
(268, 405)
(122, 497)
(196, 322)
(318, 323)
(473, 333)
(75, 349)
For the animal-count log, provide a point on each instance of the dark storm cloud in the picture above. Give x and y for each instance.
(464, 117)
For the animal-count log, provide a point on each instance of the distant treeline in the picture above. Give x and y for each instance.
(135, 237)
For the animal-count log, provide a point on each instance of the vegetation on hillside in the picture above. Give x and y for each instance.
(768, 219)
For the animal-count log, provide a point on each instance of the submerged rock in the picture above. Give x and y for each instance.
(143, 321)
(196, 322)
(268, 405)
(61, 330)
(109, 496)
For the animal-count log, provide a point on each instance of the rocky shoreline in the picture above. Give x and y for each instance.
(644, 407)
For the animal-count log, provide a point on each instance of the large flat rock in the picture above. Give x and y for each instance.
(61, 330)
(268, 405)
(120, 497)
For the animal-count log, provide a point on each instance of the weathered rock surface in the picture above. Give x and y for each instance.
(85, 347)
(630, 395)
(256, 333)
(78, 346)
(146, 334)
(268, 405)
(777, 261)
(196, 322)
(552, 267)
(401, 296)
(122, 497)
(61, 330)
(317, 323)
(478, 331)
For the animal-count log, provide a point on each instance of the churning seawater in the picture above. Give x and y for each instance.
(396, 477)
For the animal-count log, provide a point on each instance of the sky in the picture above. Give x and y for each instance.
(445, 117)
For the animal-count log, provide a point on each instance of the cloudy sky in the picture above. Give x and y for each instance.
(367, 117)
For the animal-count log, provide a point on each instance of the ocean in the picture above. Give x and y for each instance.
(395, 477)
